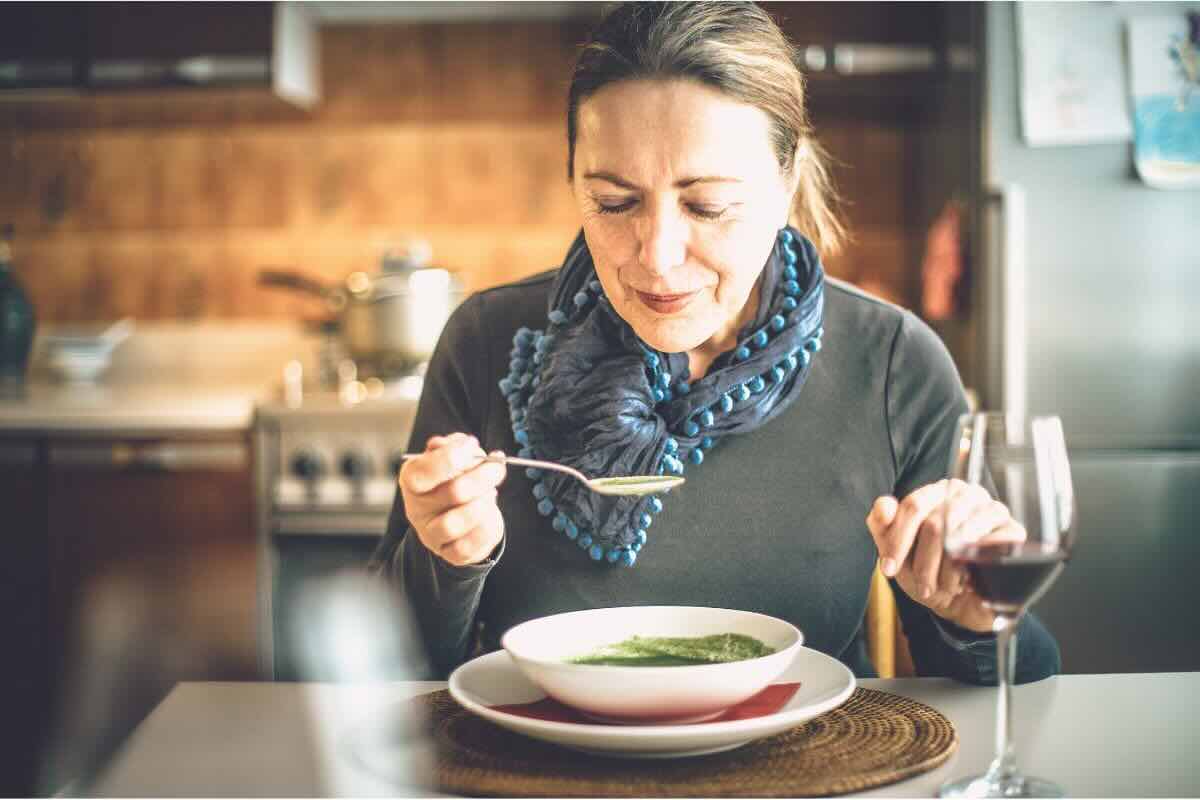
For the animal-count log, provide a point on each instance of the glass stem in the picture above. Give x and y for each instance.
(1004, 767)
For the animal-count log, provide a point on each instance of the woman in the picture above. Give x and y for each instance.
(691, 329)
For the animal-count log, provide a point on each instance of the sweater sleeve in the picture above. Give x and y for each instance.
(443, 598)
(924, 400)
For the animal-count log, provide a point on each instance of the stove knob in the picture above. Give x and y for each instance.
(355, 465)
(308, 465)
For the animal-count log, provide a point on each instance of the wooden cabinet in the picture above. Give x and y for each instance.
(120, 46)
(134, 569)
(172, 516)
(24, 609)
(894, 91)
(867, 61)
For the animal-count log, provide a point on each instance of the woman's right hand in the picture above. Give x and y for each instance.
(450, 499)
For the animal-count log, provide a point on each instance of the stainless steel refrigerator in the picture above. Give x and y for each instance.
(1087, 304)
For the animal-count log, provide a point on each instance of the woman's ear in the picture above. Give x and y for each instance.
(792, 178)
(799, 163)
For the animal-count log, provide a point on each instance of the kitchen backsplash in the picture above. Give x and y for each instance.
(165, 206)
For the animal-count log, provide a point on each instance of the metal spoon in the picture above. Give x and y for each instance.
(629, 485)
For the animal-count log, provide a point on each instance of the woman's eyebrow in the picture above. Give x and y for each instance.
(682, 183)
(616, 180)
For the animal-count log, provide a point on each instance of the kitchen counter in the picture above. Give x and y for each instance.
(166, 378)
(183, 405)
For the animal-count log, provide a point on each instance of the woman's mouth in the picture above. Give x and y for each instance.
(666, 303)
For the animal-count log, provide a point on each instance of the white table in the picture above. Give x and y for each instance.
(1097, 735)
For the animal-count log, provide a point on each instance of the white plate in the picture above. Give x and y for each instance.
(493, 679)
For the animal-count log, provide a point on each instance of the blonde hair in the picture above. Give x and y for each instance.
(734, 47)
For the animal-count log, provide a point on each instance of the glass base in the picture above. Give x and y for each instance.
(1013, 786)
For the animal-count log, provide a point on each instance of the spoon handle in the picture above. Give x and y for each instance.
(523, 462)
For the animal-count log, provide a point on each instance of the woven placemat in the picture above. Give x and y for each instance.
(872, 739)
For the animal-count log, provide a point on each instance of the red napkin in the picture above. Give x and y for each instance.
(768, 701)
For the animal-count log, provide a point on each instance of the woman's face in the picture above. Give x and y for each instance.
(681, 197)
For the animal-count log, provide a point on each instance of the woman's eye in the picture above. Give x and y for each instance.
(614, 208)
(708, 212)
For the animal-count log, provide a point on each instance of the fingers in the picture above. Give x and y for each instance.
(882, 512)
(450, 498)
(896, 539)
(445, 457)
(915, 536)
(879, 518)
(952, 579)
(927, 558)
(989, 522)
(938, 579)
(970, 516)
(472, 548)
(477, 481)
(934, 579)
(484, 529)
(961, 505)
(909, 536)
(465, 533)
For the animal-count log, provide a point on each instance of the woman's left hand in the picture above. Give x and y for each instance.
(909, 535)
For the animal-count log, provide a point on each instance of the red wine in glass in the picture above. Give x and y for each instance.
(1011, 576)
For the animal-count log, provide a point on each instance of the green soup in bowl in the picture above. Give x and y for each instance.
(676, 651)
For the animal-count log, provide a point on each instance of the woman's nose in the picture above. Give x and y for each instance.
(662, 242)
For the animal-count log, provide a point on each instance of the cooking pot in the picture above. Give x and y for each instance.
(391, 319)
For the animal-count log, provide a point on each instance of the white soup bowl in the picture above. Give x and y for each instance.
(543, 648)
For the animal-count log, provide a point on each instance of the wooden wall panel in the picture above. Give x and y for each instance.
(54, 272)
(123, 181)
(45, 183)
(190, 175)
(514, 175)
(167, 204)
(263, 175)
(118, 280)
(376, 73)
(377, 178)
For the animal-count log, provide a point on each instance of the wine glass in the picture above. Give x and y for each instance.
(1022, 463)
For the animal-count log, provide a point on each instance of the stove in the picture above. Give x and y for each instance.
(326, 461)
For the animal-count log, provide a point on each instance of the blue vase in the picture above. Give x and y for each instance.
(17, 321)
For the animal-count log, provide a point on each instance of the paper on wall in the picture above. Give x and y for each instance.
(1072, 74)
(1165, 84)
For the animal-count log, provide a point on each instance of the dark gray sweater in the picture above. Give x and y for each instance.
(773, 521)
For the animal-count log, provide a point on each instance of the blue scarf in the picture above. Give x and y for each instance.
(587, 392)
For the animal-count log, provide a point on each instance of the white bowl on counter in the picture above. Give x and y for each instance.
(664, 695)
(84, 353)
(70, 365)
